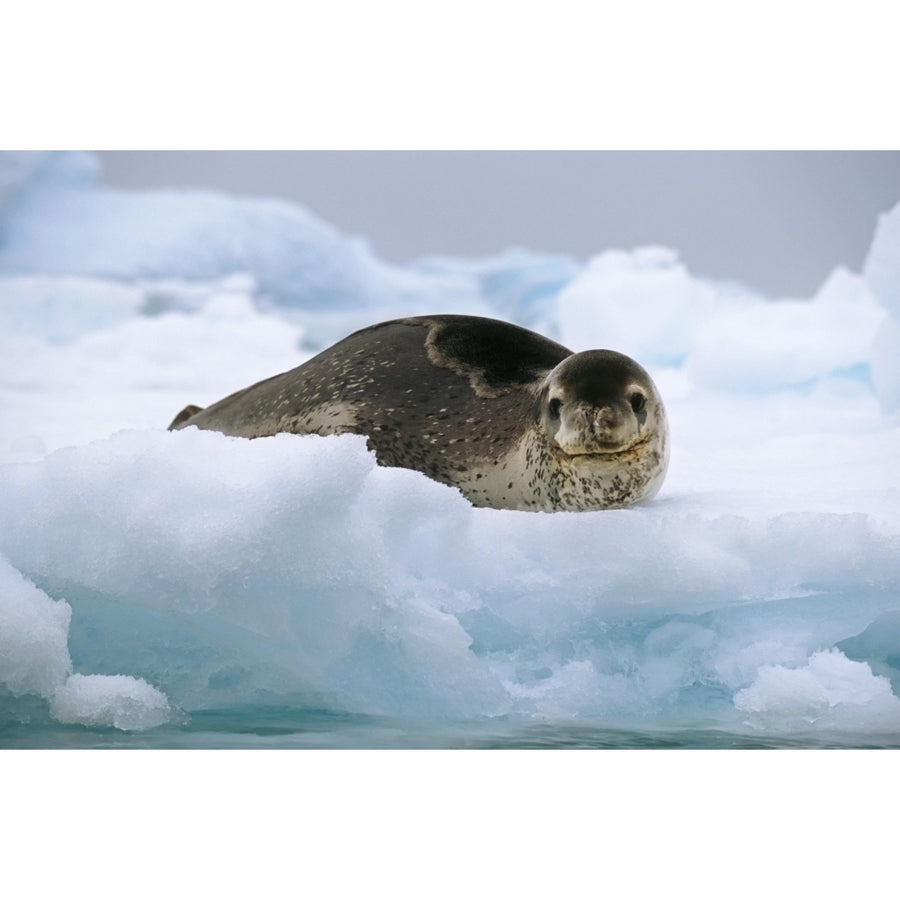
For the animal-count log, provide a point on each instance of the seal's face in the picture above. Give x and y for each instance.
(600, 403)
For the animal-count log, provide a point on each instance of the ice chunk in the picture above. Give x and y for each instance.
(24, 171)
(644, 304)
(882, 274)
(879, 646)
(60, 310)
(517, 285)
(886, 364)
(766, 346)
(117, 701)
(218, 569)
(64, 225)
(34, 659)
(647, 305)
(831, 691)
(881, 269)
(34, 653)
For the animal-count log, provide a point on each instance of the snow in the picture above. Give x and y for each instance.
(147, 574)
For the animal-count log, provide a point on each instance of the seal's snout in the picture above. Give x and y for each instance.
(604, 424)
(586, 428)
(607, 419)
(599, 418)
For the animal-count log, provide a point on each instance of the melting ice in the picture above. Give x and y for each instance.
(149, 579)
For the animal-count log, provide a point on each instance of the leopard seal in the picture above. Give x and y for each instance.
(510, 418)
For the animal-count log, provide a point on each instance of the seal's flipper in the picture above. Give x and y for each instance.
(184, 415)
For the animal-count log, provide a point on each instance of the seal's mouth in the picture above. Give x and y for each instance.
(606, 451)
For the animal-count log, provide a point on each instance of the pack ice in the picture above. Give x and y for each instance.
(146, 575)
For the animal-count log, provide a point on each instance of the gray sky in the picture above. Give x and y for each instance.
(779, 222)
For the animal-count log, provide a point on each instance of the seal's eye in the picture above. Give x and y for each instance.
(554, 406)
(638, 401)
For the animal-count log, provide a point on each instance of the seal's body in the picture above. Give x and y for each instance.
(512, 419)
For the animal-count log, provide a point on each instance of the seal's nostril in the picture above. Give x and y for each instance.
(606, 418)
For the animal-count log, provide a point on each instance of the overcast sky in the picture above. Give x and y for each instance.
(779, 222)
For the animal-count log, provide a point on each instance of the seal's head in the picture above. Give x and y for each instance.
(601, 403)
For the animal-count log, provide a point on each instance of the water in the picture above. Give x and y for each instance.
(284, 727)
